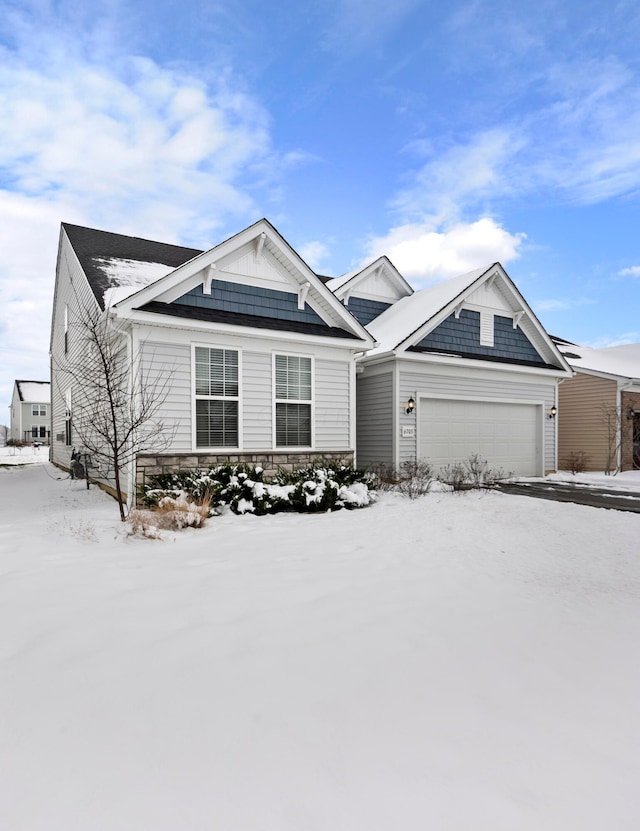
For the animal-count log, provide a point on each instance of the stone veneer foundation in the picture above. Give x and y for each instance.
(272, 461)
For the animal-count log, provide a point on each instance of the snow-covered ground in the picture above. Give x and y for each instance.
(456, 662)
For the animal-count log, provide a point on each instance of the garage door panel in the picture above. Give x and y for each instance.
(504, 434)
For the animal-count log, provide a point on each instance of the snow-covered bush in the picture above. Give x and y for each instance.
(242, 487)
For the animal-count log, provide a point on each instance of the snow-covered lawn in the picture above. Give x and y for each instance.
(455, 662)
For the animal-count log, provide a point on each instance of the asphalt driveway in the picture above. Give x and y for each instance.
(596, 497)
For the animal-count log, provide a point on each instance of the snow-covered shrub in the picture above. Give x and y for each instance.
(242, 487)
(322, 488)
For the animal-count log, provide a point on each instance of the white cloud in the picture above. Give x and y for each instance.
(314, 253)
(632, 271)
(424, 254)
(128, 146)
(121, 140)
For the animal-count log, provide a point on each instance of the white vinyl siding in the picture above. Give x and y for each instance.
(257, 402)
(168, 367)
(217, 394)
(374, 443)
(330, 410)
(73, 299)
(331, 405)
(293, 384)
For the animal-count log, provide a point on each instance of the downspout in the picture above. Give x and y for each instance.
(131, 484)
(50, 407)
(557, 421)
(395, 421)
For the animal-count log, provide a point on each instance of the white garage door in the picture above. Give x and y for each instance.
(506, 435)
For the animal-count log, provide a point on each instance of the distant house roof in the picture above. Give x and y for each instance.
(111, 260)
(621, 361)
(34, 392)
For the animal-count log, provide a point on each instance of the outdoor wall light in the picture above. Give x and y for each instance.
(631, 414)
(411, 405)
(552, 412)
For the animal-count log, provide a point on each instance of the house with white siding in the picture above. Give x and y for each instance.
(263, 361)
(31, 412)
(460, 368)
(256, 357)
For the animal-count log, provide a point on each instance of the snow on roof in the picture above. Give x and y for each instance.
(623, 361)
(126, 277)
(399, 321)
(337, 282)
(34, 392)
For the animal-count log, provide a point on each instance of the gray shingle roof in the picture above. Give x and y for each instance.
(92, 246)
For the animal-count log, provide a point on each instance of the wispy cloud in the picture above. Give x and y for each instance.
(460, 177)
(355, 25)
(314, 253)
(556, 305)
(632, 271)
(613, 340)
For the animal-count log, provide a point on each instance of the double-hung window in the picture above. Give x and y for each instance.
(38, 409)
(293, 385)
(217, 397)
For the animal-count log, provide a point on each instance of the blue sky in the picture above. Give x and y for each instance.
(446, 135)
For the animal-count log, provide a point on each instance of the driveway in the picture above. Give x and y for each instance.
(596, 497)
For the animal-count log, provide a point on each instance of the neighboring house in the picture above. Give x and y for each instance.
(599, 409)
(260, 354)
(31, 411)
(461, 368)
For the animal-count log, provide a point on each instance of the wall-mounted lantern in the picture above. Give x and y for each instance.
(552, 412)
(411, 406)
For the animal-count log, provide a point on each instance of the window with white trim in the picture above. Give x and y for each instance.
(293, 386)
(38, 409)
(217, 397)
(67, 418)
(38, 431)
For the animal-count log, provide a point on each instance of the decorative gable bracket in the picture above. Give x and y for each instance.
(458, 309)
(517, 317)
(302, 294)
(208, 279)
(259, 246)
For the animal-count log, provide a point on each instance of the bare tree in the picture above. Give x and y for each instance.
(116, 410)
(4, 434)
(616, 430)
